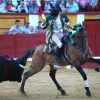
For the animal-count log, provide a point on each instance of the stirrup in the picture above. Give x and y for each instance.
(56, 65)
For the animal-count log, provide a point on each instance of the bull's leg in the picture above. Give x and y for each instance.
(79, 68)
(26, 76)
(52, 75)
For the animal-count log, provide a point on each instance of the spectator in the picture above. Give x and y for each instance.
(39, 26)
(26, 28)
(2, 6)
(30, 6)
(22, 8)
(10, 7)
(16, 29)
(31, 30)
(72, 6)
(33, 7)
(94, 5)
(47, 6)
(63, 5)
(56, 5)
(83, 5)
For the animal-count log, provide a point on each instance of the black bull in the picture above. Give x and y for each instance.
(10, 69)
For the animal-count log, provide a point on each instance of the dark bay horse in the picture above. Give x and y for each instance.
(76, 55)
(10, 69)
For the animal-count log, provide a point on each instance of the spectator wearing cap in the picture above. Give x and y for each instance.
(16, 29)
(47, 6)
(33, 7)
(26, 28)
(84, 5)
(72, 6)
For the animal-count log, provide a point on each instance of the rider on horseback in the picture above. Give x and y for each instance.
(57, 29)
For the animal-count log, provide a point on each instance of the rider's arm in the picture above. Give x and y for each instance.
(68, 23)
(45, 24)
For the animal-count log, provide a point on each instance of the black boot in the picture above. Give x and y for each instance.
(56, 64)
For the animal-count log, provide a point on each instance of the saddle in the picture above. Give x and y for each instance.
(52, 46)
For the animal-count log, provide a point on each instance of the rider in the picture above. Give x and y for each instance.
(57, 23)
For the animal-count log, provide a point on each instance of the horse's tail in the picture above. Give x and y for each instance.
(23, 59)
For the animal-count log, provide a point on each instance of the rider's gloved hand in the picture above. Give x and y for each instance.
(43, 24)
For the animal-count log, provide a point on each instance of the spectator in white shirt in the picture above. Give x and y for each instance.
(31, 30)
(22, 7)
(16, 29)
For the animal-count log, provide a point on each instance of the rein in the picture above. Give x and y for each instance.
(65, 56)
(80, 48)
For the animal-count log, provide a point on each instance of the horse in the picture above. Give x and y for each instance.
(10, 69)
(76, 55)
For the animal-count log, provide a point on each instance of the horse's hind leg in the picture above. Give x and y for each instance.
(26, 76)
(79, 68)
(97, 61)
(52, 75)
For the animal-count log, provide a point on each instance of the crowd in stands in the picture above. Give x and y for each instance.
(26, 29)
(30, 6)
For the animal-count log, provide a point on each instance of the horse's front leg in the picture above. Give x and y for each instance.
(52, 75)
(79, 68)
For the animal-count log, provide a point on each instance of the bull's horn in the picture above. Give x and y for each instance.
(25, 67)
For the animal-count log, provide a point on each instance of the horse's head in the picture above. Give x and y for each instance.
(80, 37)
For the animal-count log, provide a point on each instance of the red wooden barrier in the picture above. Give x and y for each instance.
(14, 46)
(93, 30)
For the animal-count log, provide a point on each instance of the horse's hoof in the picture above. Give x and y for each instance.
(23, 93)
(63, 93)
(97, 69)
(88, 94)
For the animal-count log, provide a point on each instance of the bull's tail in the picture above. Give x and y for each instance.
(23, 59)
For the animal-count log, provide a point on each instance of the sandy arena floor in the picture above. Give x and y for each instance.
(41, 87)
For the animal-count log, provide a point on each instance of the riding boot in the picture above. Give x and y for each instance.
(56, 64)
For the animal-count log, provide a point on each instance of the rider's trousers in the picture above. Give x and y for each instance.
(56, 37)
